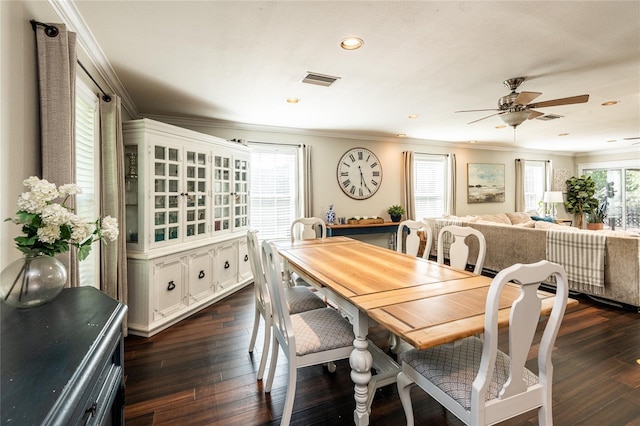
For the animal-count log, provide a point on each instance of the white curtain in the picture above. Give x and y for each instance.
(113, 260)
(56, 50)
(451, 193)
(520, 202)
(408, 198)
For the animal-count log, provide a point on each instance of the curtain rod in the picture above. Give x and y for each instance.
(52, 31)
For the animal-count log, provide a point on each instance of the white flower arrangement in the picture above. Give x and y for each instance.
(50, 227)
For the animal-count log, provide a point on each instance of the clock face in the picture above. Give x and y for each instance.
(359, 173)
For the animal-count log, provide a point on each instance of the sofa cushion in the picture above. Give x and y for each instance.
(519, 217)
(496, 218)
(529, 224)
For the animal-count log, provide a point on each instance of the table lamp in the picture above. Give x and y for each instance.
(553, 197)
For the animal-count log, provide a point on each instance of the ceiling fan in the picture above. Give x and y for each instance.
(515, 107)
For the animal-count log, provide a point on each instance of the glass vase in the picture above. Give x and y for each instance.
(32, 281)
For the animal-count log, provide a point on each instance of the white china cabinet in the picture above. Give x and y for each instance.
(187, 206)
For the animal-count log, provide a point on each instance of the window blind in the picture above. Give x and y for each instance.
(430, 185)
(274, 190)
(87, 170)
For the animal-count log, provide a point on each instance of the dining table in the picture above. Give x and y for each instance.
(424, 303)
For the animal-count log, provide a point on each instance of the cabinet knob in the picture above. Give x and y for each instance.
(171, 285)
(201, 274)
(246, 257)
(226, 264)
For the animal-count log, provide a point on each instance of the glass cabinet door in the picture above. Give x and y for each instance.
(167, 176)
(241, 193)
(195, 194)
(221, 193)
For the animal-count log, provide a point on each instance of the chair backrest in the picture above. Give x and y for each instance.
(282, 327)
(307, 228)
(417, 232)
(459, 250)
(523, 321)
(260, 283)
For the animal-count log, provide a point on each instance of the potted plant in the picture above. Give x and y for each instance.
(595, 219)
(396, 211)
(581, 196)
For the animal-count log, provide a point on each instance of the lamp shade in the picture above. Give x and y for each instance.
(553, 197)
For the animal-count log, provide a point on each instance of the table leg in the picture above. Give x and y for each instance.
(361, 362)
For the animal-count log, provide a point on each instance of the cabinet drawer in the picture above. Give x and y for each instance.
(169, 278)
(98, 405)
(226, 265)
(201, 282)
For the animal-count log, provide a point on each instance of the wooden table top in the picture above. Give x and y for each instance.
(426, 304)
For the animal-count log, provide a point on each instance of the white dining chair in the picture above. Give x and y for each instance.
(480, 384)
(307, 338)
(299, 299)
(458, 248)
(306, 228)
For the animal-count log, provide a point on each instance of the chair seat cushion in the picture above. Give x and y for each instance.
(454, 368)
(321, 330)
(301, 299)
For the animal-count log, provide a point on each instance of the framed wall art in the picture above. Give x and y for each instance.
(485, 183)
(560, 177)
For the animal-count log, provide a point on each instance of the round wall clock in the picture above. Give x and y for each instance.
(359, 173)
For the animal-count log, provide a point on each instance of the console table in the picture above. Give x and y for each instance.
(62, 363)
(373, 228)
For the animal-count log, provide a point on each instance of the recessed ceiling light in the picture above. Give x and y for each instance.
(611, 140)
(473, 141)
(351, 43)
(563, 134)
(413, 115)
(402, 135)
(293, 100)
(501, 126)
(609, 103)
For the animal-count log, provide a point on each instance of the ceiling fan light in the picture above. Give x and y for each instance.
(515, 118)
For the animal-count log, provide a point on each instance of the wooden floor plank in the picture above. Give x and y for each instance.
(199, 372)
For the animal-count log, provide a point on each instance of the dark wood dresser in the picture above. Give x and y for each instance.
(62, 363)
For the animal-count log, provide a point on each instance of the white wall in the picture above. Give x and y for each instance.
(326, 151)
(19, 127)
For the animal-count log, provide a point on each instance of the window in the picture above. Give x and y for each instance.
(430, 185)
(87, 170)
(619, 184)
(534, 184)
(274, 197)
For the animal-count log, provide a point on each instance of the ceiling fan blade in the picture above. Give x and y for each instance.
(478, 110)
(631, 139)
(525, 97)
(562, 101)
(480, 119)
(535, 114)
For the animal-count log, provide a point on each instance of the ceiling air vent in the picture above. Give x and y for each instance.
(549, 117)
(319, 79)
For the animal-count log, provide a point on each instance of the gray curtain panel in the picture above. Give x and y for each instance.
(113, 260)
(451, 193)
(408, 199)
(520, 185)
(57, 86)
(307, 182)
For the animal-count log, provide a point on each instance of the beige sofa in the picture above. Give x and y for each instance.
(515, 238)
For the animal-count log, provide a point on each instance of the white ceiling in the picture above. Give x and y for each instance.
(238, 61)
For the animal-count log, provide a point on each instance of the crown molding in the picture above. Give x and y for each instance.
(69, 14)
(230, 125)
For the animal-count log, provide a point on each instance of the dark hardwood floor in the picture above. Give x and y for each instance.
(199, 372)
